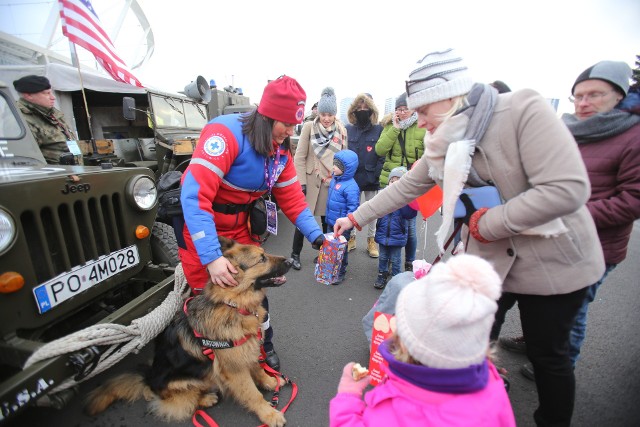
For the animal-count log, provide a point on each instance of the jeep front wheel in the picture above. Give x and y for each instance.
(164, 247)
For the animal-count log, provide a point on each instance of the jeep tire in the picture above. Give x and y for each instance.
(164, 247)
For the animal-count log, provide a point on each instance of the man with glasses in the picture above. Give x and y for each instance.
(401, 144)
(609, 141)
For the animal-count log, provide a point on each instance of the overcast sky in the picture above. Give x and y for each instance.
(365, 46)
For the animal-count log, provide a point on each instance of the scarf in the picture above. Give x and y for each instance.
(600, 126)
(323, 139)
(407, 123)
(449, 150)
(463, 380)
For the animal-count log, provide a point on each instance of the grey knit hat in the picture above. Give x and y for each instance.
(397, 172)
(617, 73)
(327, 103)
(439, 75)
(401, 101)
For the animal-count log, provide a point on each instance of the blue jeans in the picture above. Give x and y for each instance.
(390, 253)
(412, 242)
(345, 258)
(579, 330)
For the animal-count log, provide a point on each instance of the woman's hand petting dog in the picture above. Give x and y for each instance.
(348, 384)
(220, 271)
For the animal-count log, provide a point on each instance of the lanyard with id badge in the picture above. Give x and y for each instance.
(263, 217)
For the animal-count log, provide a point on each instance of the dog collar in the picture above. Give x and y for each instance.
(240, 310)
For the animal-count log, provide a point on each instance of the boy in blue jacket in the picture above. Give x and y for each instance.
(343, 197)
(392, 232)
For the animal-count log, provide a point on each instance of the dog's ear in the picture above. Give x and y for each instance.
(225, 244)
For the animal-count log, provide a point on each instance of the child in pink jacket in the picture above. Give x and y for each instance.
(438, 373)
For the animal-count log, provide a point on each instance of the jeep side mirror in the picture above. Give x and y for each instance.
(129, 108)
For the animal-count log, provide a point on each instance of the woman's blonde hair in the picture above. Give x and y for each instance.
(459, 102)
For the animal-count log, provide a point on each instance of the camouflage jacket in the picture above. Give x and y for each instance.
(48, 128)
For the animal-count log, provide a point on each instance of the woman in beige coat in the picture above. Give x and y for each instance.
(541, 239)
(319, 140)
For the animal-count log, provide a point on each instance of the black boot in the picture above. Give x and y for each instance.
(381, 280)
(272, 360)
(296, 261)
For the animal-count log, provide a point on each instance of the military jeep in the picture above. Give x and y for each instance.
(74, 251)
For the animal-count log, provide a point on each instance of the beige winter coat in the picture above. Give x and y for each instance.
(531, 157)
(313, 172)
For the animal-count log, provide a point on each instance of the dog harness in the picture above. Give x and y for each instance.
(209, 345)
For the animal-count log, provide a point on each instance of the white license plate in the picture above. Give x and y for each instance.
(67, 285)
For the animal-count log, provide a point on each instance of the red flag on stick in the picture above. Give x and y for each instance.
(81, 25)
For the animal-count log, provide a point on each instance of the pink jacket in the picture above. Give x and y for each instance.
(397, 402)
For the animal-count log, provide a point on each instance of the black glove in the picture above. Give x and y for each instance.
(468, 206)
(304, 189)
(317, 244)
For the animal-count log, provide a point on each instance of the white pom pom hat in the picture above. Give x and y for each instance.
(444, 319)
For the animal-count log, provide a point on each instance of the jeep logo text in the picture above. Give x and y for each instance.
(79, 188)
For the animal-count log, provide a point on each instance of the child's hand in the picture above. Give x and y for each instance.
(348, 384)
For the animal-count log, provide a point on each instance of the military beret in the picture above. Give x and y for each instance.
(32, 84)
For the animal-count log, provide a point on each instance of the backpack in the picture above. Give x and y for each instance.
(169, 196)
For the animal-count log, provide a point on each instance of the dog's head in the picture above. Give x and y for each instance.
(255, 267)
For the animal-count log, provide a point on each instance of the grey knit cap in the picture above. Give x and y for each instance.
(401, 101)
(617, 73)
(438, 76)
(327, 103)
(397, 172)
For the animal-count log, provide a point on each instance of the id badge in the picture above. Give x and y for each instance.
(272, 217)
(74, 148)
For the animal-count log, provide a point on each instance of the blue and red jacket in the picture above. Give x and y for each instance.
(225, 169)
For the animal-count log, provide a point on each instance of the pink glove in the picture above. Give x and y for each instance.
(348, 384)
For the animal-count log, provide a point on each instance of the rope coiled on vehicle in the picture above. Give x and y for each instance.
(121, 339)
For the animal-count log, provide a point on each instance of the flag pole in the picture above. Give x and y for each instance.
(76, 62)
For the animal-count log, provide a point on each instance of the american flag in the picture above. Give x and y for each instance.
(81, 25)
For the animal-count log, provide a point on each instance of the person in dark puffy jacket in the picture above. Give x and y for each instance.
(363, 132)
(392, 232)
(344, 196)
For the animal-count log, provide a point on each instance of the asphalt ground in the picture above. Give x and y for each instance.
(318, 330)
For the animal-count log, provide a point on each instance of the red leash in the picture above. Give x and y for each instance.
(275, 398)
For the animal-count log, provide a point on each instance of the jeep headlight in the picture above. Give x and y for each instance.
(7, 231)
(142, 191)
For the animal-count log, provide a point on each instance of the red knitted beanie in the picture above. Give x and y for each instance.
(283, 100)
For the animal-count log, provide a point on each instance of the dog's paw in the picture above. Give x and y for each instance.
(268, 383)
(208, 400)
(274, 419)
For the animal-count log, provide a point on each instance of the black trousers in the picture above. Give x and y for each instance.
(546, 324)
(506, 301)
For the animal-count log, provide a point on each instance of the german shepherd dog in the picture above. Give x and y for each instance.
(182, 378)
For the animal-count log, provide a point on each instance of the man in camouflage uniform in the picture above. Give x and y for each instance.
(46, 122)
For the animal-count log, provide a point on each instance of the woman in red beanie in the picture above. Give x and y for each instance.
(238, 159)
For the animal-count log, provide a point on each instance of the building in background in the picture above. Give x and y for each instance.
(555, 102)
(389, 106)
(343, 108)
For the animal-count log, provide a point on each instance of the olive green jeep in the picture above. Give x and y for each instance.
(75, 251)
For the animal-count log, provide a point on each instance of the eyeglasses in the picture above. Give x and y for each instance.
(402, 110)
(590, 97)
(440, 75)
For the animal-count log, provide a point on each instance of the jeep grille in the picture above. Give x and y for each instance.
(73, 234)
